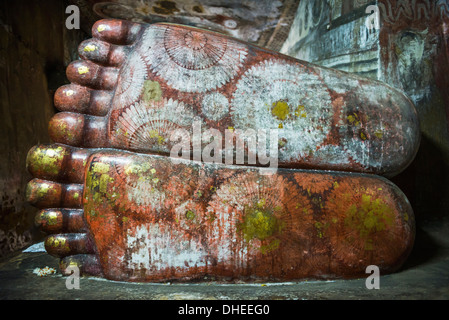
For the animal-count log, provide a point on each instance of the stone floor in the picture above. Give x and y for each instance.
(424, 276)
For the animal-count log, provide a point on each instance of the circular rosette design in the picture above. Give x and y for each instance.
(189, 216)
(314, 182)
(364, 225)
(191, 60)
(131, 81)
(215, 106)
(254, 215)
(148, 126)
(287, 97)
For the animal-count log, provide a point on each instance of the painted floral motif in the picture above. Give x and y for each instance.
(215, 106)
(252, 214)
(189, 60)
(148, 126)
(131, 81)
(288, 97)
(369, 228)
(314, 183)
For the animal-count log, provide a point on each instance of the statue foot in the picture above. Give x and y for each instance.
(139, 83)
(136, 217)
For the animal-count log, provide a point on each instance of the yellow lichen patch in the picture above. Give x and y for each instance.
(50, 217)
(138, 168)
(379, 134)
(369, 216)
(190, 215)
(300, 112)
(303, 208)
(282, 143)
(90, 48)
(363, 136)
(57, 242)
(83, 70)
(353, 119)
(98, 181)
(280, 110)
(151, 91)
(104, 181)
(101, 28)
(47, 159)
(43, 190)
(261, 224)
(154, 134)
(317, 200)
(321, 228)
(99, 167)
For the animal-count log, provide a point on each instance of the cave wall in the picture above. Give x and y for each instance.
(35, 48)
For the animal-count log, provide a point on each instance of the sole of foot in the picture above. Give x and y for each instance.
(135, 217)
(151, 88)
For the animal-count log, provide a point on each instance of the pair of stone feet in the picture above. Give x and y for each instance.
(118, 203)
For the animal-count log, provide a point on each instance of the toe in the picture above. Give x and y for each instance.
(115, 31)
(87, 264)
(78, 130)
(62, 245)
(76, 98)
(61, 221)
(103, 53)
(47, 194)
(72, 97)
(56, 162)
(46, 162)
(92, 75)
